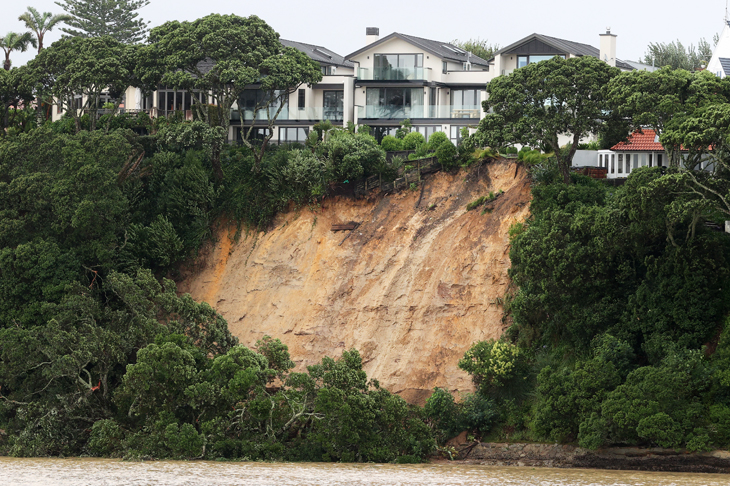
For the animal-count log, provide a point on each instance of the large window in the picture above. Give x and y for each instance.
(398, 66)
(393, 103)
(258, 133)
(170, 100)
(455, 133)
(465, 103)
(427, 130)
(523, 61)
(293, 134)
(251, 102)
(334, 105)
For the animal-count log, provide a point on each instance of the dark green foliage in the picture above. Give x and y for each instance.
(391, 144)
(436, 140)
(96, 18)
(446, 154)
(618, 293)
(413, 140)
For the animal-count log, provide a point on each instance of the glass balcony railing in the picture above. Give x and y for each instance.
(260, 114)
(394, 74)
(294, 114)
(316, 114)
(402, 112)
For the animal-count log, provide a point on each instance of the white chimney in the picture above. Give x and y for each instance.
(371, 35)
(608, 47)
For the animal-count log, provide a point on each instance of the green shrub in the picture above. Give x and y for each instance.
(436, 140)
(391, 144)
(493, 364)
(413, 140)
(446, 155)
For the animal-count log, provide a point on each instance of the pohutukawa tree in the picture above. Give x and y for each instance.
(663, 98)
(16, 89)
(118, 19)
(220, 56)
(537, 103)
(39, 23)
(14, 41)
(77, 71)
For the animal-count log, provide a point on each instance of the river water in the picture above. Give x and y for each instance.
(107, 472)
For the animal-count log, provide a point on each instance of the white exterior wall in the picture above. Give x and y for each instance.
(433, 72)
(610, 160)
(721, 50)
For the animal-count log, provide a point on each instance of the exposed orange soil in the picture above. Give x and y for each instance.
(411, 288)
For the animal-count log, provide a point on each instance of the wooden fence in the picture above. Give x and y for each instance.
(405, 178)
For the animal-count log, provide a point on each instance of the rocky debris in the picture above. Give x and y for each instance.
(626, 458)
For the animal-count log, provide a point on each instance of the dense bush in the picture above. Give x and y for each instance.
(446, 155)
(618, 292)
(413, 140)
(436, 139)
(391, 144)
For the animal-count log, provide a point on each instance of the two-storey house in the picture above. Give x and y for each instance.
(434, 84)
(330, 99)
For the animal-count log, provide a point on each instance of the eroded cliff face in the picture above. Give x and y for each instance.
(411, 288)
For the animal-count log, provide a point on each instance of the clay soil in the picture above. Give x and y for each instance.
(412, 287)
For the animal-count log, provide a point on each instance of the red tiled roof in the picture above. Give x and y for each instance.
(640, 141)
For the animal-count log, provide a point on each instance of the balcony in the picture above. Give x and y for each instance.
(394, 74)
(472, 112)
(294, 114)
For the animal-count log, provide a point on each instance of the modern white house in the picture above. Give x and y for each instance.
(439, 87)
(719, 63)
(434, 84)
(539, 47)
(330, 99)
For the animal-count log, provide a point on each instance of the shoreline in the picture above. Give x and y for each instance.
(614, 458)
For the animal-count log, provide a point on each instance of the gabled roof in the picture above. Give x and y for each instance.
(319, 54)
(561, 46)
(443, 50)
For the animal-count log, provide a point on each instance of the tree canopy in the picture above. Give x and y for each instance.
(663, 97)
(77, 66)
(675, 55)
(221, 55)
(118, 19)
(478, 47)
(536, 104)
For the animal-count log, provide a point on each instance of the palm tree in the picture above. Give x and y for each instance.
(39, 23)
(15, 42)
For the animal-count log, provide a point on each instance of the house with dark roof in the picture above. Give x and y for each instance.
(330, 99)
(719, 64)
(434, 84)
(539, 47)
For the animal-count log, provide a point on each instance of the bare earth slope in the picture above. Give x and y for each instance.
(411, 288)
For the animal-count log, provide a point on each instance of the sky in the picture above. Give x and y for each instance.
(340, 26)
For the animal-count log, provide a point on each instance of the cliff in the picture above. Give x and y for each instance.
(412, 287)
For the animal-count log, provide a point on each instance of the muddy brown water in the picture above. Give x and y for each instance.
(107, 472)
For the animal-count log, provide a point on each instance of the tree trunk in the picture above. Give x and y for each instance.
(215, 161)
